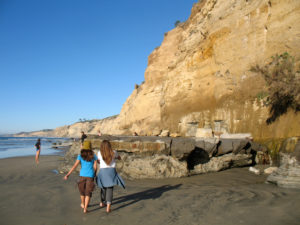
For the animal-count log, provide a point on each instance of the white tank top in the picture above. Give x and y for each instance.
(112, 163)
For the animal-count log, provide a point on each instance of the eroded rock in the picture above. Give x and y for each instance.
(270, 170)
(156, 166)
(182, 147)
(158, 157)
(227, 161)
(288, 174)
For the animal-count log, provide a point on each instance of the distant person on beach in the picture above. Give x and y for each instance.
(38, 150)
(83, 136)
(99, 133)
(107, 177)
(86, 185)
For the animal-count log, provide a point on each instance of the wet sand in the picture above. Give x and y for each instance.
(33, 194)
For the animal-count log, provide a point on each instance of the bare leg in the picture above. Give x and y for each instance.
(87, 201)
(37, 155)
(109, 197)
(108, 208)
(82, 201)
(102, 204)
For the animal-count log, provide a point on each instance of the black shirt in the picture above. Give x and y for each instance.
(83, 137)
(38, 145)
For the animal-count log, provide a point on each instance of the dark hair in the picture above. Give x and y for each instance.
(87, 155)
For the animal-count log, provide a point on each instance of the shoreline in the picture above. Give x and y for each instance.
(22, 147)
(33, 155)
(36, 195)
(61, 154)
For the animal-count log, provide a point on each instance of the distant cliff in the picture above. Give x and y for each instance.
(74, 130)
(199, 79)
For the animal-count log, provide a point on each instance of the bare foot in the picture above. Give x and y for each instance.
(85, 210)
(102, 204)
(82, 205)
(108, 209)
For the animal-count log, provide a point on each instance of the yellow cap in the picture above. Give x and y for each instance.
(87, 145)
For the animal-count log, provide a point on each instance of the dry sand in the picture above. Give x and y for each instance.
(33, 194)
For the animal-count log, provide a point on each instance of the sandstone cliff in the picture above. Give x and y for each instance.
(200, 75)
(199, 79)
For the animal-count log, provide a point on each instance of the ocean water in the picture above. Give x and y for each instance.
(24, 146)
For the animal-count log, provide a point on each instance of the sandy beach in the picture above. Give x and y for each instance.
(33, 194)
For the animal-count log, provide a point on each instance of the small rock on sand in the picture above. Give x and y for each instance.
(254, 170)
(270, 170)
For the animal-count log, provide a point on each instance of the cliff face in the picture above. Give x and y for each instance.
(200, 75)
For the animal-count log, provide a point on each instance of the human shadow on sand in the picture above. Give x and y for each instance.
(152, 193)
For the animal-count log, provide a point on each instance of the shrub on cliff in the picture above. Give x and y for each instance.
(177, 23)
(283, 81)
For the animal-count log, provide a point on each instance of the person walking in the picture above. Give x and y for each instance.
(107, 177)
(86, 185)
(38, 150)
(83, 136)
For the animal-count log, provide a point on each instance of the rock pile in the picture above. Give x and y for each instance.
(160, 157)
(288, 174)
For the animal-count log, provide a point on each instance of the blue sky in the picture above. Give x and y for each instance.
(61, 60)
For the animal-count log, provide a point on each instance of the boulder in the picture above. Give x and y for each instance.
(165, 133)
(156, 166)
(160, 157)
(241, 145)
(210, 145)
(225, 146)
(254, 170)
(288, 174)
(137, 145)
(270, 170)
(227, 161)
(182, 147)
